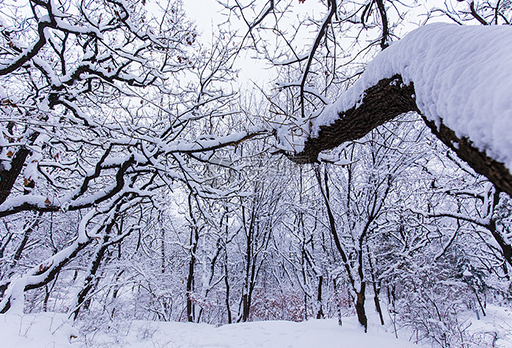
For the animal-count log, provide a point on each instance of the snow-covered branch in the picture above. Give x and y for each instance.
(456, 77)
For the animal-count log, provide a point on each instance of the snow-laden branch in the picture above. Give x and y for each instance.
(203, 145)
(457, 77)
(483, 222)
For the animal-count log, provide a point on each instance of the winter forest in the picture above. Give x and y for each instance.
(360, 175)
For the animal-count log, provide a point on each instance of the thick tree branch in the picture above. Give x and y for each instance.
(28, 54)
(383, 102)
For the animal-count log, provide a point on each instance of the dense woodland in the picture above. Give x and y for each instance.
(138, 180)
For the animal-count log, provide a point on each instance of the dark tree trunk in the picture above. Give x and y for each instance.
(9, 177)
(190, 287)
(245, 308)
(378, 308)
(29, 228)
(194, 240)
(91, 279)
(226, 282)
(361, 313)
(194, 237)
(250, 263)
(320, 314)
(376, 287)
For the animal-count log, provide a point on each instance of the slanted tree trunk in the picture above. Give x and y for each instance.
(211, 284)
(360, 291)
(376, 287)
(27, 231)
(251, 260)
(91, 281)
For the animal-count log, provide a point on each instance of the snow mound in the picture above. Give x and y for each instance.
(461, 74)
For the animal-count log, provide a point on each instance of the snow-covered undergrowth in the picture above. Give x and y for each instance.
(54, 330)
(493, 330)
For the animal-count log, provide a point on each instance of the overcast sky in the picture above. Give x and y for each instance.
(207, 16)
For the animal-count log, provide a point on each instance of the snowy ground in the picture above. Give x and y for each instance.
(270, 334)
(54, 331)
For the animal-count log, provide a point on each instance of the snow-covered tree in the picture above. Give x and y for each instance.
(96, 117)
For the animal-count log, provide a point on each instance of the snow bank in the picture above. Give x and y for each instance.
(461, 74)
(41, 330)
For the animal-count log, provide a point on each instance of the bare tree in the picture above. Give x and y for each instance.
(95, 118)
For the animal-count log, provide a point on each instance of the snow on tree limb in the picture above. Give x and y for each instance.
(456, 77)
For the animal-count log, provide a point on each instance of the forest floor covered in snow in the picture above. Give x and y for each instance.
(56, 331)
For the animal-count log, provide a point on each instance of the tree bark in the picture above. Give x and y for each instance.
(361, 313)
(376, 287)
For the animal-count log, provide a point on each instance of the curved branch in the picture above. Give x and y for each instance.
(40, 205)
(476, 15)
(29, 54)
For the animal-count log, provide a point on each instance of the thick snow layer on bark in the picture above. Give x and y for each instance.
(461, 74)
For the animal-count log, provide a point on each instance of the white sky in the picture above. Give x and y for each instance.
(205, 13)
(207, 16)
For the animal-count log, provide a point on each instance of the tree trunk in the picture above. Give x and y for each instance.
(376, 288)
(250, 263)
(338, 301)
(226, 282)
(361, 313)
(190, 288)
(194, 236)
(320, 313)
(91, 280)
(194, 240)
